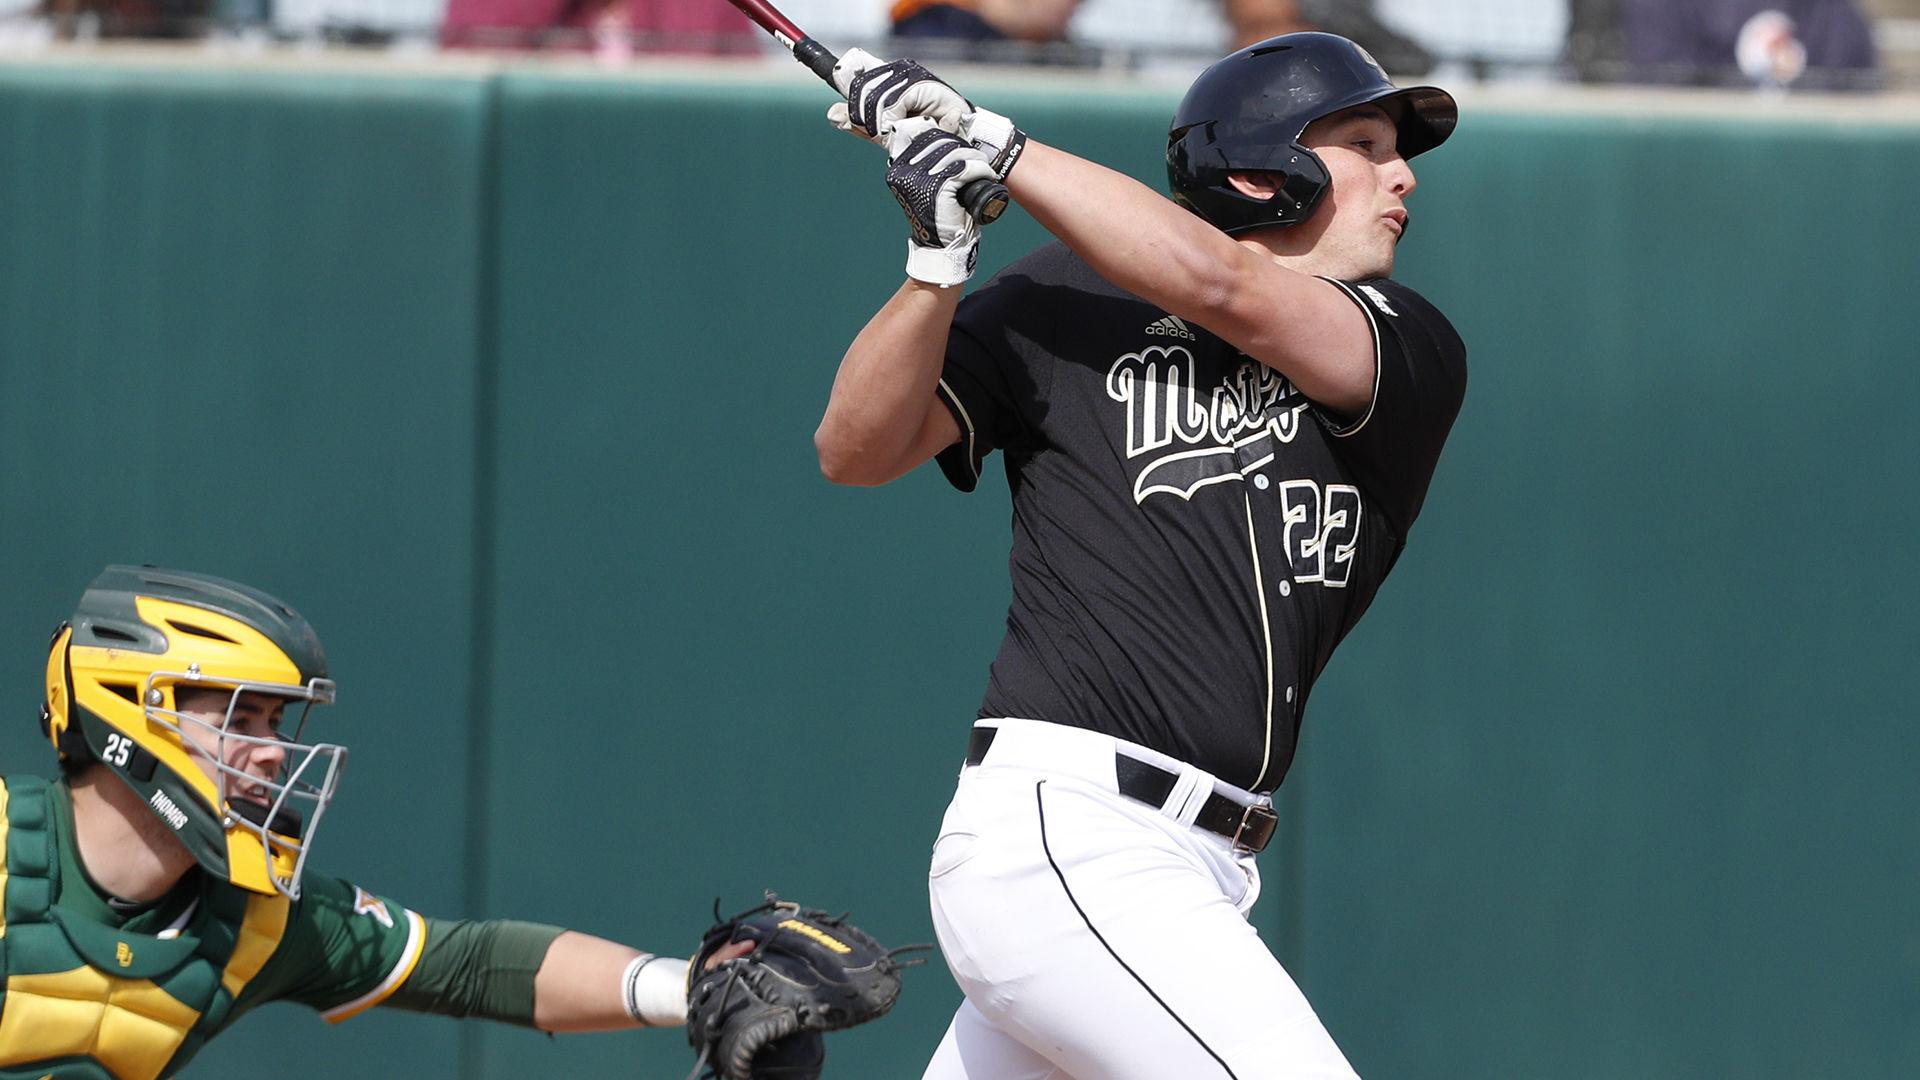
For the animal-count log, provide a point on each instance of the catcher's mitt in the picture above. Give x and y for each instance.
(808, 972)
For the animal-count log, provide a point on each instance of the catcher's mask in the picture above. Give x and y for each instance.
(1247, 111)
(143, 636)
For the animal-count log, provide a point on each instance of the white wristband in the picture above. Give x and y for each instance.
(654, 990)
(945, 267)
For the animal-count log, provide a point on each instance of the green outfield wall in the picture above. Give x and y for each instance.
(507, 379)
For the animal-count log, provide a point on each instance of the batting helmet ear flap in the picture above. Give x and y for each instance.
(1194, 154)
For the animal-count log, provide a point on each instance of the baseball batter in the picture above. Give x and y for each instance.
(158, 890)
(1219, 417)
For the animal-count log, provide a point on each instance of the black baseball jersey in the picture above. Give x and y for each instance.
(1191, 535)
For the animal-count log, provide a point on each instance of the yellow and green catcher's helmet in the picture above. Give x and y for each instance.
(141, 635)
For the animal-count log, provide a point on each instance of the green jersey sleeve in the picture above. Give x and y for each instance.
(486, 969)
(345, 950)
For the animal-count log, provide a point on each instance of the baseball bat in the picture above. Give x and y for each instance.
(986, 200)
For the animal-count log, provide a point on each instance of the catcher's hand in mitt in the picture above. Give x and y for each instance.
(808, 972)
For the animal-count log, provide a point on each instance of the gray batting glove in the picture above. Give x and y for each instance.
(881, 93)
(926, 169)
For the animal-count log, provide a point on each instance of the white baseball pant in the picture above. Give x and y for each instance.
(1101, 938)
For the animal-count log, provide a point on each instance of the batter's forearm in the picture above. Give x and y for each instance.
(882, 419)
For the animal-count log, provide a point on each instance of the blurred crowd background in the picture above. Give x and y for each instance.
(1859, 46)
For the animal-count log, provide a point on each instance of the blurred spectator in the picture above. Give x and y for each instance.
(1043, 23)
(1596, 48)
(126, 18)
(1357, 21)
(1251, 21)
(1825, 44)
(984, 20)
(613, 29)
(1008, 31)
(1896, 39)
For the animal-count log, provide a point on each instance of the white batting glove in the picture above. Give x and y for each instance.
(926, 169)
(881, 93)
(995, 136)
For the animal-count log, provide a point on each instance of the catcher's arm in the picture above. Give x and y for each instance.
(582, 985)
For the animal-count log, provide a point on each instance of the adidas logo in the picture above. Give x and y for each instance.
(1171, 326)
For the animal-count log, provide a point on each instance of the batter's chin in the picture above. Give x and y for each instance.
(1379, 269)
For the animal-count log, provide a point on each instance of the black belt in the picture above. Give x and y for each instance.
(1249, 827)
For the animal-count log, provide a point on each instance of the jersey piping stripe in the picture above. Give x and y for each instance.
(416, 944)
(1373, 325)
(1041, 804)
(973, 462)
(1266, 635)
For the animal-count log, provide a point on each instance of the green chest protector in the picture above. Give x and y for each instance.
(87, 1000)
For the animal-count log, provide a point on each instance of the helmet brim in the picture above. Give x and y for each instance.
(1425, 115)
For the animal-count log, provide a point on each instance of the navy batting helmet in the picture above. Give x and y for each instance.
(1246, 112)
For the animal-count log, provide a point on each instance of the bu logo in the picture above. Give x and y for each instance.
(123, 953)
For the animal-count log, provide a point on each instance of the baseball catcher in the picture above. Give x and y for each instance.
(159, 889)
(759, 1016)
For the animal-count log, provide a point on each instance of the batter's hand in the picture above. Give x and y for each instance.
(995, 136)
(881, 93)
(926, 170)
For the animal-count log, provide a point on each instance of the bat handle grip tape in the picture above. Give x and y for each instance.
(818, 58)
(985, 200)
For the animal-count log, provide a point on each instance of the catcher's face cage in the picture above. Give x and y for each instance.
(1247, 111)
(274, 837)
(139, 634)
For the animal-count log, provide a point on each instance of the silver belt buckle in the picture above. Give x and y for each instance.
(1256, 827)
